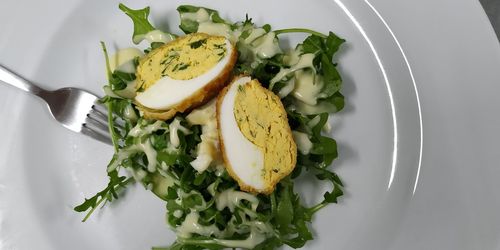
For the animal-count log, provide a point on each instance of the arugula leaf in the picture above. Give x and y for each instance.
(159, 142)
(269, 244)
(332, 44)
(292, 218)
(266, 70)
(155, 45)
(119, 79)
(325, 145)
(313, 44)
(107, 194)
(330, 196)
(141, 24)
(328, 45)
(193, 200)
(114, 81)
(166, 157)
(336, 100)
(284, 209)
(125, 76)
(191, 26)
(324, 48)
(331, 76)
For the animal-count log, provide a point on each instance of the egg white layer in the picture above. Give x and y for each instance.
(245, 158)
(168, 92)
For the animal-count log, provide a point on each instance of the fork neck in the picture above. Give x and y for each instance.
(10, 78)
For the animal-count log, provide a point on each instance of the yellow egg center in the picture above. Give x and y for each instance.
(262, 120)
(182, 59)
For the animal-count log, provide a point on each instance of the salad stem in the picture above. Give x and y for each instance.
(312, 210)
(108, 104)
(125, 183)
(111, 126)
(300, 30)
(106, 57)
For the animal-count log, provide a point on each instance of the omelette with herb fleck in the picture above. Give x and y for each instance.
(183, 74)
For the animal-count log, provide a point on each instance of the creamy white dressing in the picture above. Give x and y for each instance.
(178, 213)
(304, 144)
(174, 127)
(164, 167)
(124, 56)
(129, 113)
(207, 151)
(258, 230)
(128, 92)
(220, 169)
(313, 122)
(266, 46)
(139, 130)
(254, 34)
(127, 67)
(327, 128)
(216, 29)
(231, 198)
(257, 45)
(167, 92)
(308, 86)
(107, 91)
(153, 36)
(184, 195)
(167, 180)
(125, 153)
(205, 25)
(203, 160)
(139, 174)
(158, 36)
(202, 115)
(319, 108)
(305, 61)
(259, 42)
(287, 89)
(201, 15)
(123, 60)
(150, 154)
(292, 56)
(211, 189)
(190, 225)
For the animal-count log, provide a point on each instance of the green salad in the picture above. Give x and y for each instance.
(205, 206)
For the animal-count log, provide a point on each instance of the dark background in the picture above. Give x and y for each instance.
(492, 8)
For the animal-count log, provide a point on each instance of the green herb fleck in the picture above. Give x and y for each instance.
(197, 44)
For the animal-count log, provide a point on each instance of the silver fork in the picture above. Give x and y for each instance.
(76, 109)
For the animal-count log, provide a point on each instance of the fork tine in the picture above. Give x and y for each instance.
(93, 122)
(98, 115)
(100, 107)
(98, 136)
(102, 114)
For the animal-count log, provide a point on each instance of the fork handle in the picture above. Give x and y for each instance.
(11, 78)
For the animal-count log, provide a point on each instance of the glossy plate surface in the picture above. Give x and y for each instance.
(418, 138)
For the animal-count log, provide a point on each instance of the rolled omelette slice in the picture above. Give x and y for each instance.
(183, 74)
(255, 138)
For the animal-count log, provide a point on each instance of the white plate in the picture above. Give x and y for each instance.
(420, 82)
